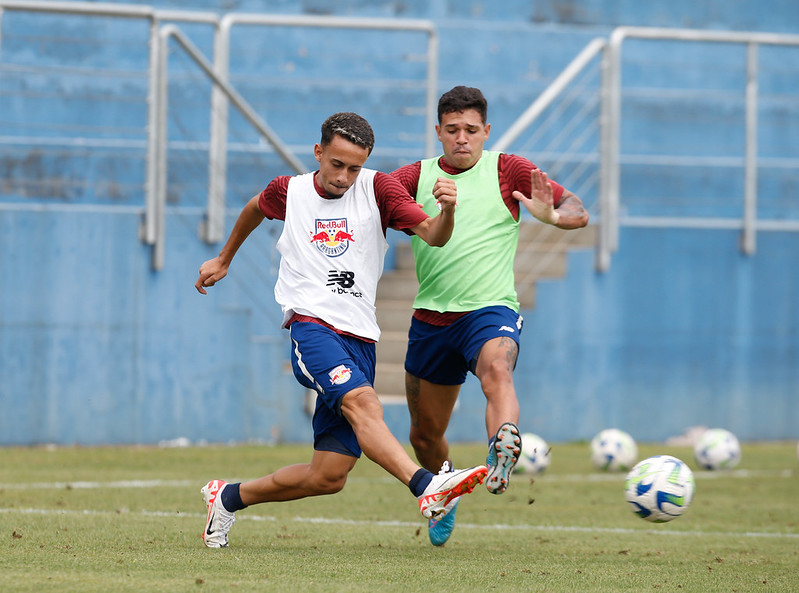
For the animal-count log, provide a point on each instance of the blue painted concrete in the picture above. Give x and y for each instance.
(95, 347)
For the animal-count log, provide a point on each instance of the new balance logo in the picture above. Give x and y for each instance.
(344, 279)
(506, 328)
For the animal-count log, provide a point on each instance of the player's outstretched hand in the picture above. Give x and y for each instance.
(541, 202)
(211, 272)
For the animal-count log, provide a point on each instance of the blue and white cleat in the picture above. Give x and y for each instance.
(502, 457)
(440, 529)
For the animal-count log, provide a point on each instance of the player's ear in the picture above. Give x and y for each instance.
(317, 152)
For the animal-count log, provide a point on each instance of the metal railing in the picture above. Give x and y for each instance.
(608, 155)
(609, 152)
(153, 225)
(213, 231)
(216, 201)
(610, 195)
(568, 77)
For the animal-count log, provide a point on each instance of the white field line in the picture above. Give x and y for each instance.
(592, 477)
(123, 484)
(199, 517)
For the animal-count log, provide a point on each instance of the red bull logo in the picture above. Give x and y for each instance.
(331, 236)
(339, 375)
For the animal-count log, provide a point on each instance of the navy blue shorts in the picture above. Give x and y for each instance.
(445, 354)
(331, 365)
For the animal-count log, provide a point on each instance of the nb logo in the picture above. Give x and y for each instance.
(344, 279)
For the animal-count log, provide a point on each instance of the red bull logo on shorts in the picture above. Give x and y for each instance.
(331, 236)
(340, 375)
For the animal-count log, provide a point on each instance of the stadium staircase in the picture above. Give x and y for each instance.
(542, 255)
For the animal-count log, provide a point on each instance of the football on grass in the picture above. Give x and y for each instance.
(534, 458)
(717, 448)
(613, 450)
(659, 488)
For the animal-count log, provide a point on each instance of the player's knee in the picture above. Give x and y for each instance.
(330, 482)
(496, 372)
(333, 486)
(361, 403)
(422, 440)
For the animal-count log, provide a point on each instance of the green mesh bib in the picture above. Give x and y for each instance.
(475, 268)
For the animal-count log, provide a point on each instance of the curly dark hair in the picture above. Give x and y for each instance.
(349, 126)
(462, 98)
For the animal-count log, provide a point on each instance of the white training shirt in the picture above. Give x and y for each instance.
(332, 255)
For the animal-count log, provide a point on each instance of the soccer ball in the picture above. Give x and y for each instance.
(659, 488)
(717, 448)
(613, 450)
(534, 458)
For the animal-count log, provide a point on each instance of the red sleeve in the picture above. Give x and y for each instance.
(273, 199)
(514, 175)
(408, 176)
(398, 209)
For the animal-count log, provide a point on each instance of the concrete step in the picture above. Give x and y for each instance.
(394, 315)
(526, 295)
(555, 238)
(528, 231)
(390, 382)
(397, 285)
(392, 346)
(403, 254)
(534, 261)
(542, 253)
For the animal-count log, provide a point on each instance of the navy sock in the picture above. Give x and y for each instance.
(231, 498)
(420, 481)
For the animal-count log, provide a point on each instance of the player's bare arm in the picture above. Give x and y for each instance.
(572, 212)
(437, 230)
(213, 270)
(569, 213)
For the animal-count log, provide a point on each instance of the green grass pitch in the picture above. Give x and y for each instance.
(130, 518)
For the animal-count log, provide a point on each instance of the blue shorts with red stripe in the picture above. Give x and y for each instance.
(445, 354)
(332, 365)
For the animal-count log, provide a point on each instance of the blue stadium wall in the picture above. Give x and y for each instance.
(683, 330)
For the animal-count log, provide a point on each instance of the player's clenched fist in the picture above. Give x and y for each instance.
(446, 193)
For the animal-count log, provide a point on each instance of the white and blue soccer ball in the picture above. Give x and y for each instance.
(717, 448)
(659, 488)
(613, 450)
(535, 455)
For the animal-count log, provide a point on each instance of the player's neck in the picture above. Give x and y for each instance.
(449, 169)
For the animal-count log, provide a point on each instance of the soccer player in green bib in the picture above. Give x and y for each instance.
(466, 313)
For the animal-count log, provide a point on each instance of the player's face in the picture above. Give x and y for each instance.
(462, 135)
(339, 165)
